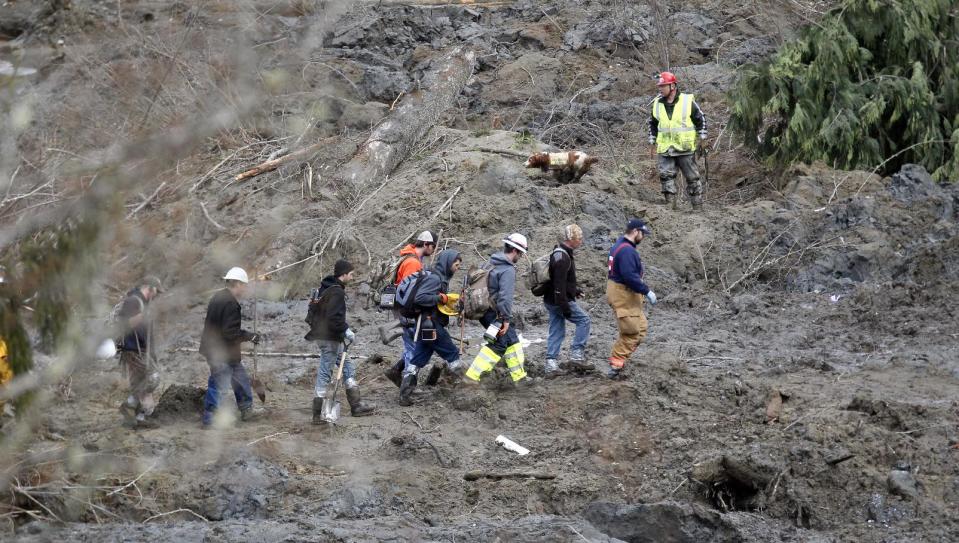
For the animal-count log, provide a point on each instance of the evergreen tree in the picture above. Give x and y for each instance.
(875, 82)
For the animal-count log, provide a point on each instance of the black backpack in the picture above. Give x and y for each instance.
(406, 294)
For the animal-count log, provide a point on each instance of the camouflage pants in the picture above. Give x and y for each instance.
(144, 379)
(668, 166)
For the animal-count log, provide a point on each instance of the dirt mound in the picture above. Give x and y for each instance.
(180, 402)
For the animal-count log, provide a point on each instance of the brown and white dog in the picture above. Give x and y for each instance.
(566, 167)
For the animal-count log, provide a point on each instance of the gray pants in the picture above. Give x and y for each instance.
(667, 173)
(144, 379)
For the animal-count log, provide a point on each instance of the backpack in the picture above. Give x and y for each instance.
(406, 294)
(313, 309)
(475, 299)
(388, 292)
(538, 279)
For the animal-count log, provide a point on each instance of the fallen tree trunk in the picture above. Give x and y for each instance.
(393, 139)
(391, 142)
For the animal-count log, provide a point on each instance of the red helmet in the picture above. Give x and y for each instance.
(666, 78)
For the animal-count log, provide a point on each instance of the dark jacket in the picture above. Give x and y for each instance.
(625, 266)
(327, 316)
(562, 278)
(502, 282)
(696, 114)
(436, 283)
(222, 330)
(137, 338)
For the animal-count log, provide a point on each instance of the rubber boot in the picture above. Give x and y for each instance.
(670, 200)
(697, 202)
(358, 408)
(395, 373)
(406, 389)
(318, 411)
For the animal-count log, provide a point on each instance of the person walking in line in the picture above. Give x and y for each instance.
(332, 334)
(506, 346)
(220, 345)
(138, 354)
(560, 303)
(626, 292)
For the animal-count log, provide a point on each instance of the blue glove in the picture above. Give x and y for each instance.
(651, 296)
(349, 336)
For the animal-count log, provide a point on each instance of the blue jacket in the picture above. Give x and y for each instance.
(435, 283)
(626, 268)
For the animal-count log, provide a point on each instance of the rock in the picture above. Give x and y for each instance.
(354, 502)
(659, 522)
(902, 483)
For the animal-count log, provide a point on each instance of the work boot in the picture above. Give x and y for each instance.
(670, 199)
(250, 414)
(358, 408)
(577, 361)
(615, 374)
(697, 202)
(406, 389)
(551, 368)
(395, 373)
(457, 368)
(318, 411)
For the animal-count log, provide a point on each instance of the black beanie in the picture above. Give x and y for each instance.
(342, 267)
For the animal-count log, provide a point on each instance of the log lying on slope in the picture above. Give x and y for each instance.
(393, 139)
(390, 143)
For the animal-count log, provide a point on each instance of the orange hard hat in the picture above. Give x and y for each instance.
(666, 78)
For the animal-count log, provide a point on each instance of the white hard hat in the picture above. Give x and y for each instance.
(426, 236)
(518, 241)
(237, 274)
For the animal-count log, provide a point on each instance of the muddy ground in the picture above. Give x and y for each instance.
(830, 292)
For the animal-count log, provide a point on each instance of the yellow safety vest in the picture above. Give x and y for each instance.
(677, 132)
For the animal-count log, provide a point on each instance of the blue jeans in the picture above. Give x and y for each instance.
(221, 379)
(409, 344)
(424, 350)
(557, 329)
(511, 337)
(330, 352)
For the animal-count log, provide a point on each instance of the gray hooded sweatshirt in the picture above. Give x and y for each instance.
(438, 280)
(502, 282)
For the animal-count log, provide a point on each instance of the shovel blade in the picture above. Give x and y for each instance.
(259, 388)
(331, 410)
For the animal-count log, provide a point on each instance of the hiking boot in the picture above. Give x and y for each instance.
(697, 202)
(551, 368)
(318, 411)
(406, 389)
(457, 368)
(358, 408)
(670, 200)
(615, 374)
(395, 373)
(250, 414)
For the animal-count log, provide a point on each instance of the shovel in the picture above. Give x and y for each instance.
(331, 407)
(258, 387)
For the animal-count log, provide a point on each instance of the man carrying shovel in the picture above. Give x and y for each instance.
(331, 333)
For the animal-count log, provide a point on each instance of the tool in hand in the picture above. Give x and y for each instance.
(258, 387)
(331, 406)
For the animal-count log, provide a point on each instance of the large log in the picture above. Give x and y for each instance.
(393, 139)
(389, 144)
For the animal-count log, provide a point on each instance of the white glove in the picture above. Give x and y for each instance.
(651, 296)
(349, 336)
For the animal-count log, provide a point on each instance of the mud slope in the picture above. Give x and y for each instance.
(799, 381)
